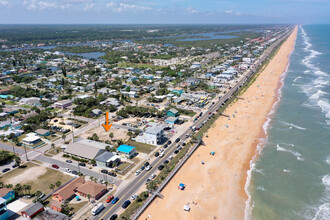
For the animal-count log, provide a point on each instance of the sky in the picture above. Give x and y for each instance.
(163, 11)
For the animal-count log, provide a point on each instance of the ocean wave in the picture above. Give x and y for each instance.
(299, 77)
(326, 181)
(318, 94)
(261, 188)
(325, 106)
(323, 212)
(286, 171)
(328, 159)
(291, 125)
(295, 153)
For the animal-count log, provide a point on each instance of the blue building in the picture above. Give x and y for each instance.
(126, 150)
(4, 215)
(7, 194)
(171, 120)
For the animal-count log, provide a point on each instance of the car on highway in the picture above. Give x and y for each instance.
(104, 171)
(153, 176)
(161, 167)
(156, 154)
(148, 181)
(115, 200)
(5, 170)
(146, 164)
(183, 144)
(109, 199)
(166, 162)
(113, 217)
(55, 166)
(148, 167)
(133, 197)
(177, 140)
(68, 161)
(137, 172)
(126, 204)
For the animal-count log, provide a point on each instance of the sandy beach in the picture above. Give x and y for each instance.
(215, 190)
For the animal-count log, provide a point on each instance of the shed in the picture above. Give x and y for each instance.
(32, 210)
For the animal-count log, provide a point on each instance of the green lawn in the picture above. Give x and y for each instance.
(141, 147)
(77, 206)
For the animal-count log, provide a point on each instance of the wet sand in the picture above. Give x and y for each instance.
(215, 190)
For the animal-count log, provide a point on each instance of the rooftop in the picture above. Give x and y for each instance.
(125, 148)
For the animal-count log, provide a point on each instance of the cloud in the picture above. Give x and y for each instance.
(192, 10)
(238, 13)
(4, 3)
(42, 5)
(229, 11)
(89, 6)
(123, 7)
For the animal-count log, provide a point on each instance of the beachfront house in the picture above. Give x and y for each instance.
(126, 150)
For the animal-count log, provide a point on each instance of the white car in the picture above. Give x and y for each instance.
(137, 173)
(133, 197)
(161, 154)
(153, 176)
(148, 167)
(67, 170)
(170, 157)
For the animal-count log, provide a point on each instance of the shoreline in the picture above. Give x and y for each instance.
(216, 190)
(264, 136)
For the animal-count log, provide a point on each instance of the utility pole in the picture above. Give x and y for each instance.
(27, 159)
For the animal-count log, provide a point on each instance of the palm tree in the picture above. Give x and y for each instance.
(111, 136)
(1, 184)
(18, 188)
(63, 137)
(52, 186)
(9, 186)
(58, 184)
(28, 188)
(89, 197)
(18, 160)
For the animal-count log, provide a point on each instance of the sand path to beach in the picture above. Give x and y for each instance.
(215, 190)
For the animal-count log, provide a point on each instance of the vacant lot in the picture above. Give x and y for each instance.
(39, 177)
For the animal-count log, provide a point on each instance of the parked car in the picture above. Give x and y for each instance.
(177, 140)
(176, 151)
(161, 167)
(112, 174)
(142, 168)
(137, 172)
(126, 204)
(15, 165)
(165, 146)
(133, 197)
(161, 154)
(166, 162)
(113, 217)
(153, 176)
(148, 167)
(104, 171)
(97, 209)
(169, 142)
(171, 157)
(115, 200)
(146, 164)
(5, 170)
(109, 199)
(82, 164)
(68, 161)
(55, 166)
(67, 170)
(74, 172)
(156, 154)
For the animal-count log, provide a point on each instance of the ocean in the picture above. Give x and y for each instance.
(291, 177)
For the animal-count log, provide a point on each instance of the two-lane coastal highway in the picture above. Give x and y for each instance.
(140, 180)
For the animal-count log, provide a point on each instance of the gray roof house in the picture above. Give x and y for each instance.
(107, 159)
(85, 148)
